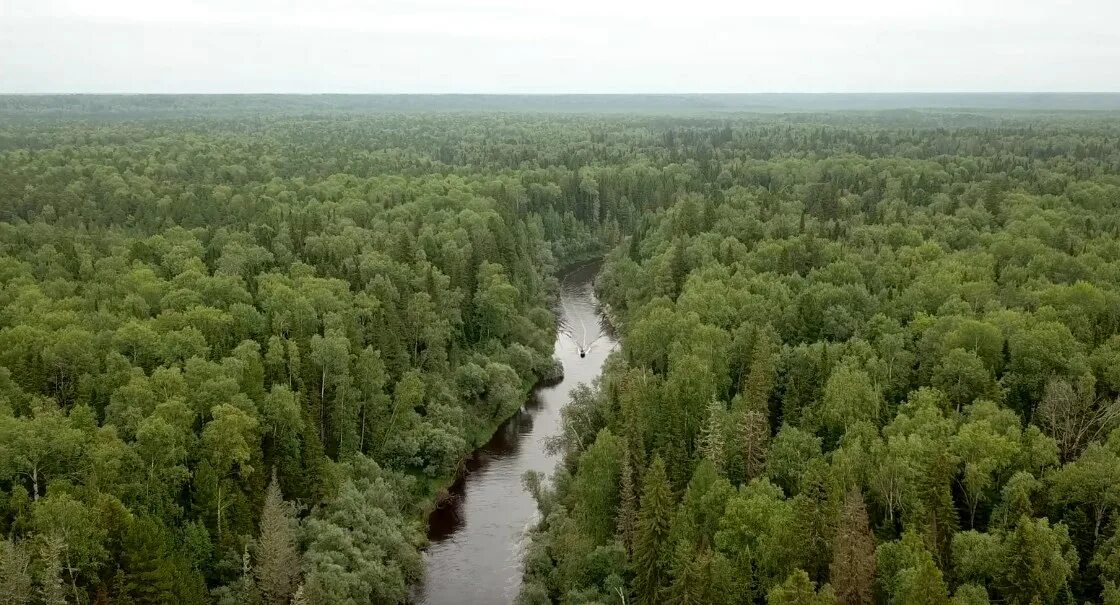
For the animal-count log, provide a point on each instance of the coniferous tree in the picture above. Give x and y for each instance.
(760, 380)
(277, 569)
(596, 487)
(243, 590)
(629, 403)
(815, 513)
(852, 571)
(627, 506)
(752, 440)
(153, 571)
(940, 520)
(651, 560)
(690, 576)
(678, 266)
(713, 445)
(148, 578)
(1038, 561)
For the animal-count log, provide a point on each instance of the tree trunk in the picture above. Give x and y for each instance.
(362, 436)
(322, 407)
(219, 509)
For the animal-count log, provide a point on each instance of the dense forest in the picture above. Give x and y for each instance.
(859, 364)
(867, 357)
(237, 363)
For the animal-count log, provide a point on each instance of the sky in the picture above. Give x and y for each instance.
(568, 46)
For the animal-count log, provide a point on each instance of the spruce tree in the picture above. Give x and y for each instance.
(630, 404)
(243, 590)
(627, 506)
(651, 559)
(147, 563)
(853, 554)
(690, 573)
(815, 514)
(678, 265)
(760, 380)
(277, 569)
(712, 442)
(940, 523)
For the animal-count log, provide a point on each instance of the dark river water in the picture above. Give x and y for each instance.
(479, 535)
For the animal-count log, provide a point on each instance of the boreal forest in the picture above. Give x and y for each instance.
(866, 355)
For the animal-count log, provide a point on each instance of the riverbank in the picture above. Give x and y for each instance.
(435, 489)
(476, 537)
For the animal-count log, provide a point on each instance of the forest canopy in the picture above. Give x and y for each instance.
(867, 357)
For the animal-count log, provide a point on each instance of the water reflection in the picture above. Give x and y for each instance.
(477, 537)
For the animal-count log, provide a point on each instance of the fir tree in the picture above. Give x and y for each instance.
(923, 584)
(940, 515)
(678, 265)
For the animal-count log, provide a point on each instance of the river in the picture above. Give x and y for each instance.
(478, 536)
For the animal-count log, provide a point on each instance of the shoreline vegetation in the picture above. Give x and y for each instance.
(439, 489)
(440, 486)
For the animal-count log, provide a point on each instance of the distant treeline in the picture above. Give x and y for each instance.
(196, 105)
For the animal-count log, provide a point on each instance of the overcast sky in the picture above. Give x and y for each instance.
(526, 46)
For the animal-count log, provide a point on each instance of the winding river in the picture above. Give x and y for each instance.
(479, 534)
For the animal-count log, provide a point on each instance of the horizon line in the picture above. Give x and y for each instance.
(554, 94)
